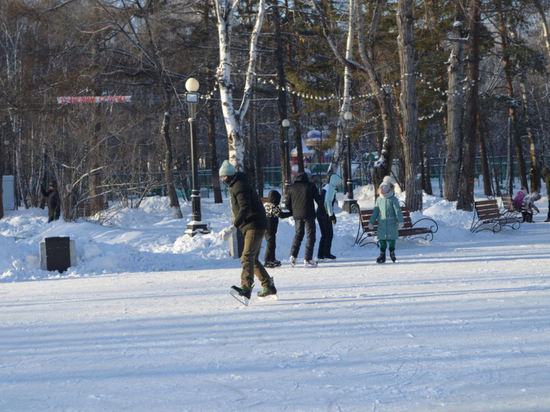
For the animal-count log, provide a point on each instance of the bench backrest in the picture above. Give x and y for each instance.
(508, 203)
(487, 209)
(366, 214)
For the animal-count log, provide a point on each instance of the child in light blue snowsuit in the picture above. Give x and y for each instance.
(390, 219)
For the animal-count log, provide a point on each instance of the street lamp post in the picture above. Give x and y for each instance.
(350, 204)
(192, 99)
(286, 124)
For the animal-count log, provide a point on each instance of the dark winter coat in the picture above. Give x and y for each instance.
(546, 175)
(272, 208)
(388, 213)
(53, 201)
(247, 208)
(301, 196)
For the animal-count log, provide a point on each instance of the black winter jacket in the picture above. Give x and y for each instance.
(546, 177)
(53, 201)
(246, 206)
(301, 196)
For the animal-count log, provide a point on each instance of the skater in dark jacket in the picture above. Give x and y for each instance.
(300, 202)
(248, 216)
(274, 213)
(53, 201)
(546, 176)
(328, 219)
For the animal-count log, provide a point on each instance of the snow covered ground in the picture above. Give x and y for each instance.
(145, 322)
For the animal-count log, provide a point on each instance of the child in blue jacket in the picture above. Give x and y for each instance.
(390, 219)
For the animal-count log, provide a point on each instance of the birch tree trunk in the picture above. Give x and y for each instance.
(409, 106)
(346, 95)
(234, 118)
(455, 109)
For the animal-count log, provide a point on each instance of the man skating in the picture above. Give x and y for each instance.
(248, 216)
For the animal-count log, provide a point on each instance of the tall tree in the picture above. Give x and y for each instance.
(455, 105)
(409, 105)
(467, 176)
(235, 118)
(507, 30)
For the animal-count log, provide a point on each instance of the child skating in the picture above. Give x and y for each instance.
(390, 219)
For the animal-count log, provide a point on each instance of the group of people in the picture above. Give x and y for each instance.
(255, 221)
(52, 199)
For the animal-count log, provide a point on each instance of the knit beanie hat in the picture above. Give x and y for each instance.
(227, 169)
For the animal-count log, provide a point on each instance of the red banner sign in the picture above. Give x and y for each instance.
(93, 99)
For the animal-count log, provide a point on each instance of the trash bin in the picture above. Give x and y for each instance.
(57, 253)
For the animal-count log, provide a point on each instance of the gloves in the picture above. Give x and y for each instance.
(371, 226)
(400, 225)
(333, 219)
(228, 232)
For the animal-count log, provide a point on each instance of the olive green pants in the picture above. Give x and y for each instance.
(249, 259)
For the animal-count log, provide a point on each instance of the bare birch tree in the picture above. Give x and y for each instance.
(234, 118)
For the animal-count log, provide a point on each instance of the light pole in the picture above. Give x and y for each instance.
(286, 124)
(350, 204)
(192, 99)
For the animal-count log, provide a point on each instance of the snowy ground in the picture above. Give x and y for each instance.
(145, 321)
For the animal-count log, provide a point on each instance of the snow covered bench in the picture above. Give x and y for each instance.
(488, 216)
(367, 236)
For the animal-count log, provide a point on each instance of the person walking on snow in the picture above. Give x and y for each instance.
(274, 213)
(390, 219)
(300, 202)
(248, 216)
(327, 219)
(53, 201)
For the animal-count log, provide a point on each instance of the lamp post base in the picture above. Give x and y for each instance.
(195, 227)
(350, 206)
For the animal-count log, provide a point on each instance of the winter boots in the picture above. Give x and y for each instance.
(392, 255)
(382, 257)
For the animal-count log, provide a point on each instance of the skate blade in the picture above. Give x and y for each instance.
(268, 297)
(243, 300)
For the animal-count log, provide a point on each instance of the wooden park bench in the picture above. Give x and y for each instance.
(508, 205)
(410, 230)
(488, 216)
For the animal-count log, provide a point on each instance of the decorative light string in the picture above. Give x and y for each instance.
(309, 96)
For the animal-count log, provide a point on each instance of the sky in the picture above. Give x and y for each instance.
(145, 321)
